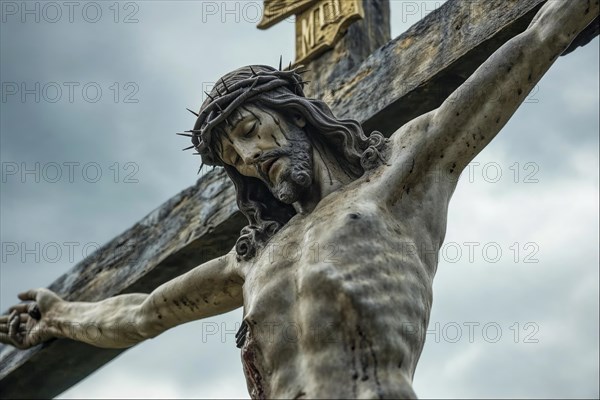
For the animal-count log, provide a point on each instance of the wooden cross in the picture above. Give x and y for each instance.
(202, 222)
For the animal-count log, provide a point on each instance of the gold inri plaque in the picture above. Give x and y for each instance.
(319, 23)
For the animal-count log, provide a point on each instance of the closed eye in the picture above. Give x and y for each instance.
(251, 130)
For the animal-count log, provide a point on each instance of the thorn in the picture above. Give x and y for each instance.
(290, 66)
(219, 107)
(195, 131)
(280, 59)
(187, 148)
(225, 85)
(184, 134)
(253, 73)
(217, 89)
(192, 112)
(209, 96)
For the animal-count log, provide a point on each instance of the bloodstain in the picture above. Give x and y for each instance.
(254, 378)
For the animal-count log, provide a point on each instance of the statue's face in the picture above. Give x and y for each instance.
(267, 145)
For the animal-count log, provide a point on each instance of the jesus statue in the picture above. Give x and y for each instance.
(335, 268)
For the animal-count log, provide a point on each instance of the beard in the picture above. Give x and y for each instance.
(296, 176)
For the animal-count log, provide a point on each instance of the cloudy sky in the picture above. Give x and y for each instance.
(516, 295)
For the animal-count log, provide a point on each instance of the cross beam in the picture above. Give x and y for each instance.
(410, 75)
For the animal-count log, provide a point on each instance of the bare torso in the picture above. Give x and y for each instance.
(345, 292)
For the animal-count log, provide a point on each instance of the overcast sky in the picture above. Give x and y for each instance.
(516, 294)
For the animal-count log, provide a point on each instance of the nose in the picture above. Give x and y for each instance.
(249, 154)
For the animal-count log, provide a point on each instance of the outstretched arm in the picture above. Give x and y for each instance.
(447, 139)
(122, 321)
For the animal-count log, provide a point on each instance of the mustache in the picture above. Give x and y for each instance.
(294, 147)
(271, 154)
(275, 153)
(297, 151)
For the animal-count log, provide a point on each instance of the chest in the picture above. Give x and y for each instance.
(345, 230)
(315, 237)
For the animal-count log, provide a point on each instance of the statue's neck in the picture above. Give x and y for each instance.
(328, 176)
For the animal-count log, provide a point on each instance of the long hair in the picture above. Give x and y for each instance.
(344, 138)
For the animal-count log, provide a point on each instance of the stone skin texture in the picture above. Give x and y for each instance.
(349, 320)
(341, 312)
(346, 315)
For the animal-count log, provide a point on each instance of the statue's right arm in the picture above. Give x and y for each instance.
(441, 143)
(122, 321)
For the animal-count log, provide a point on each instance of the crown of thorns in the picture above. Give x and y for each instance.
(217, 108)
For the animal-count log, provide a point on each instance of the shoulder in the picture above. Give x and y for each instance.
(408, 165)
(409, 137)
(229, 266)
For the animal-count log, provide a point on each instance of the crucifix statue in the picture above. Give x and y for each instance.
(334, 269)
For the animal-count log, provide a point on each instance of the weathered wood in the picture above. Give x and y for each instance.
(361, 39)
(418, 70)
(407, 77)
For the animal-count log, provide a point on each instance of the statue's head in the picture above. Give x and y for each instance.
(257, 124)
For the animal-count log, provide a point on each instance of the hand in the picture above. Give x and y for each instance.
(29, 323)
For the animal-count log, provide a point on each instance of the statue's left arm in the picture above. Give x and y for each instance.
(212, 288)
(448, 138)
